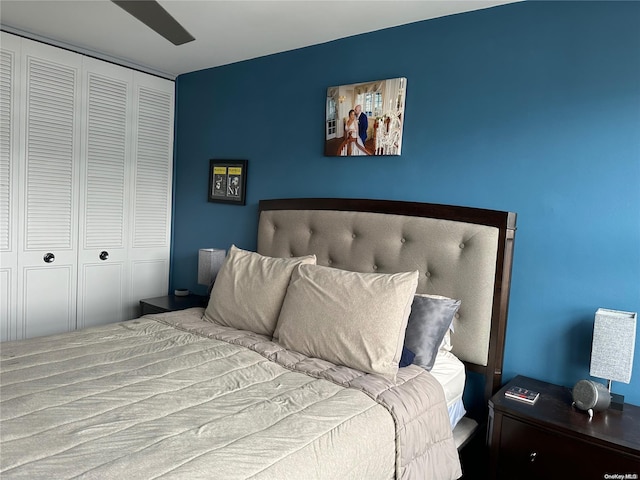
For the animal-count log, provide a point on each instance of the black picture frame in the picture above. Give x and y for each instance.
(228, 181)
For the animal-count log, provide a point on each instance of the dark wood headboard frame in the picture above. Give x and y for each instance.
(505, 222)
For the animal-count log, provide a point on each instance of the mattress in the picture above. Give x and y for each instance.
(449, 371)
(172, 396)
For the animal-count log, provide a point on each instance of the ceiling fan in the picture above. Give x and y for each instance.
(151, 13)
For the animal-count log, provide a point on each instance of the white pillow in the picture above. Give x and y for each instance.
(353, 319)
(446, 341)
(249, 290)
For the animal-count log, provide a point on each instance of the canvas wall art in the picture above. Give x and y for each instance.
(365, 119)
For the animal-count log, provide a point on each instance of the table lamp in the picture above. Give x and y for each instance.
(614, 338)
(209, 262)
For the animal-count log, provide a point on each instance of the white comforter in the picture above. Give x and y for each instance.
(172, 396)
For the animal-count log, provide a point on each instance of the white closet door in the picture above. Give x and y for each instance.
(48, 228)
(104, 185)
(9, 155)
(152, 187)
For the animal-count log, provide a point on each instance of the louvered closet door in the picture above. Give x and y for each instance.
(9, 155)
(49, 173)
(152, 187)
(104, 184)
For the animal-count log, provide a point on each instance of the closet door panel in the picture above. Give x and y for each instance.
(8, 292)
(105, 175)
(149, 279)
(49, 178)
(101, 296)
(49, 300)
(151, 188)
(10, 118)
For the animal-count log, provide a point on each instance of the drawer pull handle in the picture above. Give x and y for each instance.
(532, 456)
(104, 255)
(49, 257)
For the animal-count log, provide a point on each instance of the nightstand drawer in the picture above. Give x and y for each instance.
(171, 303)
(530, 452)
(147, 309)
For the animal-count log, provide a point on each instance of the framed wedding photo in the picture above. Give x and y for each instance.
(228, 181)
(365, 118)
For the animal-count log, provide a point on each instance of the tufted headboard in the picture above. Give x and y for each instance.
(460, 252)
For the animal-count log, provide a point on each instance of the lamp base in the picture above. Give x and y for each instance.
(617, 402)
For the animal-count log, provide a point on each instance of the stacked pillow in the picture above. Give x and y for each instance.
(249, 290)
(359, 320)
(348, 318)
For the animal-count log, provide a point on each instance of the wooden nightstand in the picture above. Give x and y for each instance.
(171, 303)
(552, 439)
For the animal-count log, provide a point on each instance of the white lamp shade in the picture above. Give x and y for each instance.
(209, 262)
(614, 338)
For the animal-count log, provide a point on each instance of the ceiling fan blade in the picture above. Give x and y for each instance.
(157, 18)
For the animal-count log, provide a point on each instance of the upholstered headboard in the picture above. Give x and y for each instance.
(460, 252)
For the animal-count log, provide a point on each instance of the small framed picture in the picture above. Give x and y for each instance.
(228, 181)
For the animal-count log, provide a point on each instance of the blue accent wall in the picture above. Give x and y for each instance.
(531, 107)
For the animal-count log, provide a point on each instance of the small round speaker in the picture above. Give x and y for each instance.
(591, 396)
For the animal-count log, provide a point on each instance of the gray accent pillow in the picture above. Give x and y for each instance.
(429, 321)
(353, 319)
(249, 290)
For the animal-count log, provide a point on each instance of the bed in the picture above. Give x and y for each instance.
(292, 371)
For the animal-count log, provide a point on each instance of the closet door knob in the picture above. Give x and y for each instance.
(104, 255)
(49, 257)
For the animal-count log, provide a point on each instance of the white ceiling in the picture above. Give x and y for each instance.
(225, 31)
